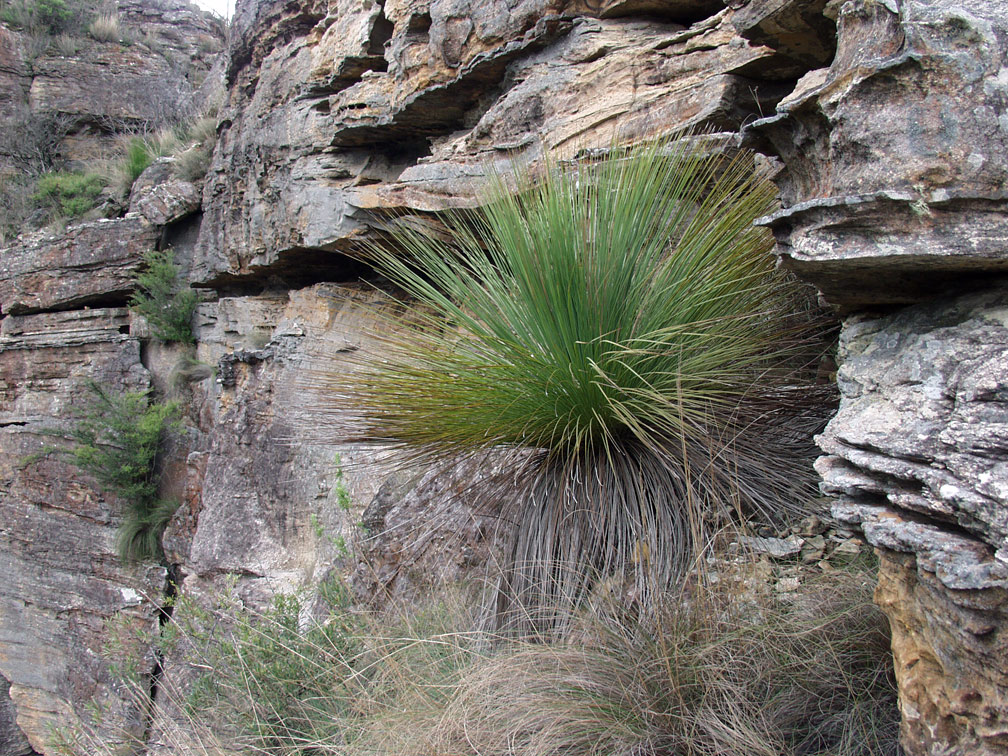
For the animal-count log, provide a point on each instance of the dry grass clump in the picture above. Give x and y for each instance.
(718, 671)
(66, 45)
(717, 676)
(105, 28)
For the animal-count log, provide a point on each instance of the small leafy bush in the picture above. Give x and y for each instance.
(117, 439)
(166, 304)
(40, 16)
(69, 194)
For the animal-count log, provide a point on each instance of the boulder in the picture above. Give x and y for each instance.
(162, 198)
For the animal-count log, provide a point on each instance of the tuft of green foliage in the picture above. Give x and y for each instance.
(42, 16)
(192, 162)
(117, 439)
(69, 194)
(167, 305)
(618, 326)
(139, 156)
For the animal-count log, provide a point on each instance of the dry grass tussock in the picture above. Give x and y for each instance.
(105, 28)
(719, 671)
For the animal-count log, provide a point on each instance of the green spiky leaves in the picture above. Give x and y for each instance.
(618, 324)
(625, 299)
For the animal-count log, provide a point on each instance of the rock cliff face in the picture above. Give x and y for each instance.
(883, 120)
(894, 194)
(66, 99)
(63, 324)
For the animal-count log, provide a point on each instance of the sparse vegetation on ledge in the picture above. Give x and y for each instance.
(69, 195)
(721, 671)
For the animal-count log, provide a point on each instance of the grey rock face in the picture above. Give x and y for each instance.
(917, 458)
(12, 740)
(160, 197)
(924, 413)
(335, 120)
(340, 113)
(896, 154)
(91, 263)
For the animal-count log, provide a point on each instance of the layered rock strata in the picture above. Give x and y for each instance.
(64, 101)
(61, 585)
(340, 115)
(894, 195)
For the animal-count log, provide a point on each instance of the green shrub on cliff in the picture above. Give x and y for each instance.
(41, 16)
(618, 329)
(69, 194)
(165, 302)
(117, 439)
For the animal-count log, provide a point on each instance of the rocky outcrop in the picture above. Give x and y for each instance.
(896, 154)
(162, 198)
(89, 263)
(947, 601)
(61, 585)
(64, 594)
(63, 101)
(916, 457)
(887, 143)
(336, 117)
(261, 497)
(12, 740)
(893, 194)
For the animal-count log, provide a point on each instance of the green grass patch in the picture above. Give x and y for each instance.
(69, 194)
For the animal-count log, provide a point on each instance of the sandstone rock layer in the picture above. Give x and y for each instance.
(894, 207)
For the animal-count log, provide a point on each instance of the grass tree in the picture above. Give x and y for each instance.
(615, 328)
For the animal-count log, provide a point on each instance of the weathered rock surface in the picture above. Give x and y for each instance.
(924, 414)
(917, 456)
(89, 263)
(946, 596)
(58, 107)
(60, 582)
(334, 119)
(12, 741)
(262, 497)
(893, 189)
(896, 154)
(338, 114)
(162, 198)
(108, 83)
